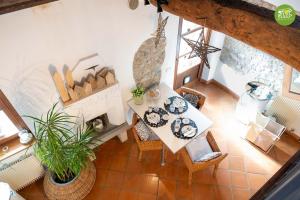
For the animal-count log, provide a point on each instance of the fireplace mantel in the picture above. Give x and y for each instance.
(109, 101)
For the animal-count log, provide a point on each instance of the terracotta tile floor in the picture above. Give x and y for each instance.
(241, 174)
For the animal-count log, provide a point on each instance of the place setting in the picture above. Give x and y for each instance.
(156, 116)
(184, 128)
(176, 105)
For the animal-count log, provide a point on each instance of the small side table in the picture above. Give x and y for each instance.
(254, 100)
(264, 132)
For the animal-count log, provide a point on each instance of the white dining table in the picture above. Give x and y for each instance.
(164, 132)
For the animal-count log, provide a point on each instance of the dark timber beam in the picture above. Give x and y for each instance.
(7, 6)
(240, 21)
(259, 10)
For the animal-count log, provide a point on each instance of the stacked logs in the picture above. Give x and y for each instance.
(71, 90)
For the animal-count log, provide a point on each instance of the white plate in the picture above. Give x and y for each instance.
(153, 118)
(165, 117)
(178, 103)
(188, 131)
(191, 133)
(185, 121)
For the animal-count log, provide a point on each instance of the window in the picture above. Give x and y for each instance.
(185, 66)
(295, 82)
(291, 83)
(10, 120)
(7, 128)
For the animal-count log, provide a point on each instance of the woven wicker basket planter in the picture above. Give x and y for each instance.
(77, 189)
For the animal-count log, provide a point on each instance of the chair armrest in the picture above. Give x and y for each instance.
(213, 161)
(212, 142)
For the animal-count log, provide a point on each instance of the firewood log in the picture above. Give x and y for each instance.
(73, 94)
(92, 80)
(87, 88)
(110, 78)
(69, 78)
(80, 91)
(100, 82)
(60, 86)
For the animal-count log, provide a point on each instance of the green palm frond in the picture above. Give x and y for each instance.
(62, 145)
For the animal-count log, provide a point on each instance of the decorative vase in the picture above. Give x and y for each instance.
(76, 189)
(138, 100)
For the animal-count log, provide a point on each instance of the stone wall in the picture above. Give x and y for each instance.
(245, 59)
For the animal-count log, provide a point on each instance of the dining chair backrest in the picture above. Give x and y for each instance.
(196, 166)
(201, 97)
(144, 145)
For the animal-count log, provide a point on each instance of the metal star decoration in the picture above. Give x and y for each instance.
(200, 48)
(160, 31)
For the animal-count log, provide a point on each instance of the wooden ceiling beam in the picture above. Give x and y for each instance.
(239, 22)
(7, 6)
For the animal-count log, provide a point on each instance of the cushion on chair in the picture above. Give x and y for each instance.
(198, 148)
(153, 137)
(208, 156)
(144, 133)
(192, 99)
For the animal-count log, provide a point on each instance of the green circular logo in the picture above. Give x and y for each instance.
(285, 15)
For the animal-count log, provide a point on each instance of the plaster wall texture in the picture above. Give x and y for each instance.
(62, 32)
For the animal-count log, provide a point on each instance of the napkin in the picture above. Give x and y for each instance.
(190, 133)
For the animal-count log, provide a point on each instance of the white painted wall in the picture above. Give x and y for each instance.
(61, 33)
(216, 40)
(221, 72)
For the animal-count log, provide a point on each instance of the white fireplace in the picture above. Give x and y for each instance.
(104, 102)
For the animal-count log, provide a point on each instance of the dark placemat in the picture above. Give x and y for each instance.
(176, 111)
(162, 121)
(179, 133)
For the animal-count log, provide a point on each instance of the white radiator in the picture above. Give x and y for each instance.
(20, 170)
(287, 112)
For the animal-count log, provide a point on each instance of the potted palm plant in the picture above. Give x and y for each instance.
(138, 95)
(64, 148)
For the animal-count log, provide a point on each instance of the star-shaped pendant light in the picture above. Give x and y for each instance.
(200, 48)
(160, 31)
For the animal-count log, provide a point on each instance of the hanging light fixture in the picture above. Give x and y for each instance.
(159, 4)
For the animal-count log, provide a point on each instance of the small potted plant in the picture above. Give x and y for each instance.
(138, 95)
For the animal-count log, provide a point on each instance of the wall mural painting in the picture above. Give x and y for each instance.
(245, 59)
(150, 57)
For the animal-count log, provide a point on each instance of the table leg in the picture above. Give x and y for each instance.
(162, 162)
